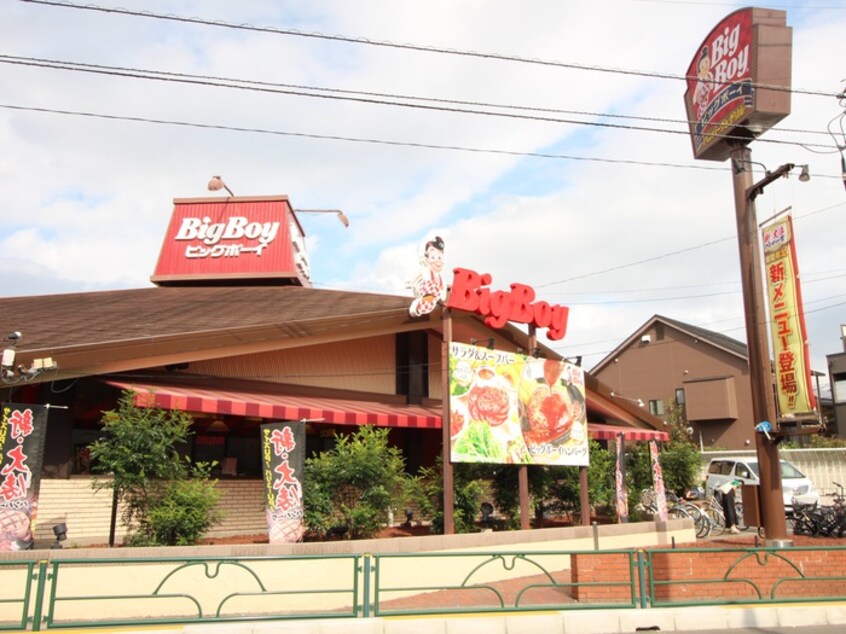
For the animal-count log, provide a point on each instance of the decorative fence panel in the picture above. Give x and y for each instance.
(66, 593)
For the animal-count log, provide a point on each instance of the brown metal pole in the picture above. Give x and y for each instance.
(760, 374)
(523, 470)
(449, 492)
(584, 498)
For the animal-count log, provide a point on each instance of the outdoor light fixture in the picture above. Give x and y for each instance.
(11, 373)
(536, 353)
(218, 425)
(804, 175)
(341, 215)
(216, 184)
(487, 511)
(737, 166)
(636, 401)
(408, 515)
(61, 533)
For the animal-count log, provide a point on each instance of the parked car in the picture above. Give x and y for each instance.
(793, 482)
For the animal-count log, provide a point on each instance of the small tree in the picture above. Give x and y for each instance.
(139, 448)
(355, 485)
(427, 490)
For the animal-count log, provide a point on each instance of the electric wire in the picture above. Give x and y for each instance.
(336, 137)
(360, 96)
(396, 45)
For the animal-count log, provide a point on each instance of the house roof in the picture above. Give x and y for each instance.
(86, 332)
(716, 339)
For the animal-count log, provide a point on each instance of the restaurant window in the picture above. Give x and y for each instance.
(656, 407)
(680, 396)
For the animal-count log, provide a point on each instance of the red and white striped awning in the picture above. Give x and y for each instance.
(599, 431)
(281, 406)
(211, 400)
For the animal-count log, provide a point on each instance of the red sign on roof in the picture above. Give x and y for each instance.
(226, 239)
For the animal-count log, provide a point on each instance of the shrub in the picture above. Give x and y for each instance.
(167, 499)
(355, 485)
(427, 491)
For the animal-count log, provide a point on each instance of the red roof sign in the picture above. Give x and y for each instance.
(235, 238)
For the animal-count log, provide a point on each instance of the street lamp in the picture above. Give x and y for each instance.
(341, 215)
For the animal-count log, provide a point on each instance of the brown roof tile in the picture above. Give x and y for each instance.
(73, 319)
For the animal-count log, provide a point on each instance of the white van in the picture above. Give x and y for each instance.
(794, 483)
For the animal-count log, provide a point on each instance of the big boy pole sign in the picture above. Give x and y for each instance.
(738, 83)
(471, 292)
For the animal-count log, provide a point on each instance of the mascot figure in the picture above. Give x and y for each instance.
(429, 286)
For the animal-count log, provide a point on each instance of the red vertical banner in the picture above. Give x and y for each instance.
(622, 494)
(658, 481)
(283, 457)
(787, 321)
(23, 429)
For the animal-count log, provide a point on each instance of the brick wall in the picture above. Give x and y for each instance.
(736, 575)
(87, 513)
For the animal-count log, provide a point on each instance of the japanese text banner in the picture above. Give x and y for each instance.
(787, 321)
(23, 429)
(283, 458)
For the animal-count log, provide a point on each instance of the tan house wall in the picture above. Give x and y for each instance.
(670, 360)
(365, 365)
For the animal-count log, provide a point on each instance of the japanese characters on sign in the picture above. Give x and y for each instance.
(240, 238)
(283, 457)
(720, 80)
(787, 321)
(508, 408)
(738, 82)
(22, 433)
(470, 292)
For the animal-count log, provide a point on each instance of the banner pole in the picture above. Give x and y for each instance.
(449, 493)
(523, 470)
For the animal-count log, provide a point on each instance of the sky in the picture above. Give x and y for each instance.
(551, 148)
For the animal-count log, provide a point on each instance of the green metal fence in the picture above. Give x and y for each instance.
(724, 576)
(488, 582)
(109, 592)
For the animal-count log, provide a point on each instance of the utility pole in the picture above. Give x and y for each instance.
(760, 374)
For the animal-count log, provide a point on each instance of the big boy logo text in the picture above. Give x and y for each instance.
(470, 292)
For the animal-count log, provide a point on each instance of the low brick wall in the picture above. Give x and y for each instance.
(87, 513)
(737, 575)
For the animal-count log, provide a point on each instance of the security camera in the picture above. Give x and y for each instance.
(14, 337)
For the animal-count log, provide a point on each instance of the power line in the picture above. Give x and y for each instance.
(355, 95)
(669, 253)
(335, 137)
(402, 46)
(604, 353)
(238, 84)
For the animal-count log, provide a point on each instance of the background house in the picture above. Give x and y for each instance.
(837, 381)
(705, 371)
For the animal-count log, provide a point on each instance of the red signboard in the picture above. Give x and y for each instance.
(470, 292)
(738, 83)
(236, 238)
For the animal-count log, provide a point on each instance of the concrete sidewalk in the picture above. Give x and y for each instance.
(570, 622)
